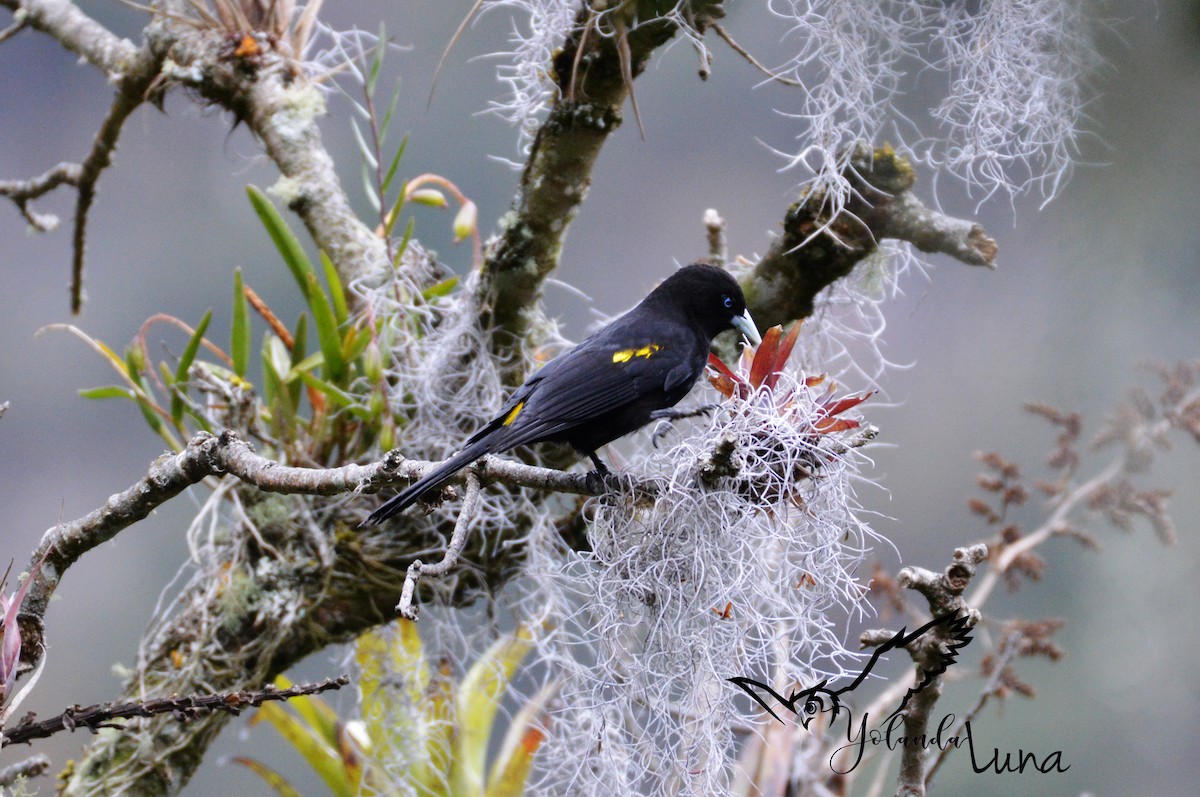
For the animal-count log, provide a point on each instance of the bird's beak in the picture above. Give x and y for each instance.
(745, 324)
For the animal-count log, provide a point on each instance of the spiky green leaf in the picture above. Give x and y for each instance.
(185, 363)
(272, 778)
(395, 164)
(336, 292)
(109, 392)
(240, 335)
(440, 289)
(327, 330)
(287, 244)
(479, 697)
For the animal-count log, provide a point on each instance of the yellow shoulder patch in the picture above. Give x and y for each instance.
(625, 355)
(513, 413)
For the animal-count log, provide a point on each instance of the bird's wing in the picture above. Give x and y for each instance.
(584, 384)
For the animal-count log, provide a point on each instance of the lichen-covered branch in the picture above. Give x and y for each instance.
(593, 71)
(458, 540)
(76, 31)
(272, 595)
(328, 601)
(815, 250)
(208, 455)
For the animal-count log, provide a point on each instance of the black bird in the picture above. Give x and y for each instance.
(616, 381)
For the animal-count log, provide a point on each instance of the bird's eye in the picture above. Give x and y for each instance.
(728, 302)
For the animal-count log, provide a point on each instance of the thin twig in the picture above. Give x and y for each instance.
(1045, 531)
(943, 591)
(458, 32)
(130, 96)
(22, 192)
(625, 58)
(458, 539)
(182, 708)
(13, 29)
(744, 53)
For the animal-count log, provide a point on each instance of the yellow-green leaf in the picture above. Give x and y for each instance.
(315, 712)
(299, 344)
(331, 392)
(439, 289)
(364, 149)
(185, 362)
(376, 62)
(323, 758)
(276, 395)
(393, 677)
(289, 248)
(403, 245)
(307, 364)
(327, 330)
(240, 335)
(355, 343)
(525, 735)
(111, 391)
(433, 776)
(509, 775)
(391, 172)
(479, 697)
(336, 292)
(273, 778)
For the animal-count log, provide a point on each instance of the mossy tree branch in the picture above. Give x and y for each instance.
(816, 250)
(593, 74)
(229, 634)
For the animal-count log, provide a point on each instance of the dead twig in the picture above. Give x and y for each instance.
(182, 708)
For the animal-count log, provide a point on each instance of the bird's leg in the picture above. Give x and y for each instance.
(597, 479)
(670, 414)
(601, 468)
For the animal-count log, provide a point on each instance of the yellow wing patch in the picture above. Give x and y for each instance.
(625, 355)
(513, 413)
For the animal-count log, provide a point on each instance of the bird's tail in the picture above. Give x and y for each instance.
(430, 481)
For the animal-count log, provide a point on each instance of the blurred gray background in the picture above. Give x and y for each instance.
(1105, 278)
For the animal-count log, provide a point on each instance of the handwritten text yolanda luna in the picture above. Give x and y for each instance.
(807, 704)
(891, 735)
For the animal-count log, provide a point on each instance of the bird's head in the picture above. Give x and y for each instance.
(711, 297)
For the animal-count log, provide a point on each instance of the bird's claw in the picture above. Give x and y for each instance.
(660, 432)
(597, 481)
(671, 414)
